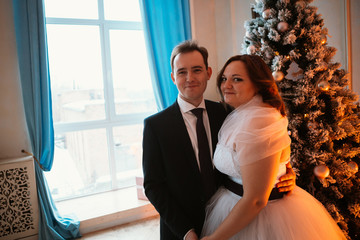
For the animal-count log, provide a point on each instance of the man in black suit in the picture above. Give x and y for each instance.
(172, 175)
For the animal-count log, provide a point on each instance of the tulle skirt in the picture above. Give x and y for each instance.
(297, 216)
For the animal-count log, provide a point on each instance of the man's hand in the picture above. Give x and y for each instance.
(288, 181)
(191, 236)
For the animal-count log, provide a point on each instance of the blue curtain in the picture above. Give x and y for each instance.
(35, 81)
(166, 24)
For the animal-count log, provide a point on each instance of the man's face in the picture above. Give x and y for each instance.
(190, 76)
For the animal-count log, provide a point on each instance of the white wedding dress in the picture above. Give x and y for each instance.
(251, 133)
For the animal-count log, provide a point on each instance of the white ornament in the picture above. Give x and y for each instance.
(266, 13)
(251, 49)
(294, 72)
(282, 26)
(278, 75)
(247, 34)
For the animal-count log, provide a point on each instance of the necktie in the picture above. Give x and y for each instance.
(206, 168)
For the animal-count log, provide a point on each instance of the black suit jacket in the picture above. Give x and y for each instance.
(172, 178)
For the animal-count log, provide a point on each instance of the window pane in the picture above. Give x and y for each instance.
(76, 73)
(131, 77)
(86, 9)
(122, 10)
(128, 153)
(80, 164)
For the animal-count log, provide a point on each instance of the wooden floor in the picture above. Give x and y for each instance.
(142, 230)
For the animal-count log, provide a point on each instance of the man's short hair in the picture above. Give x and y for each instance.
(186, 47)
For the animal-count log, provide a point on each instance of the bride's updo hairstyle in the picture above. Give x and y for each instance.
(260, 75)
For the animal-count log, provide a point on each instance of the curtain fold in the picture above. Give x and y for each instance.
(166, 24)
(35, 82)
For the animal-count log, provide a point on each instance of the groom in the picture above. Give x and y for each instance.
(172, 177)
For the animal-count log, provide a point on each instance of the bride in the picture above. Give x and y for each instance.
(253, 150)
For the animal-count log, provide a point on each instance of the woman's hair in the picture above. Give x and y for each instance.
(186, 47)
(261, 76)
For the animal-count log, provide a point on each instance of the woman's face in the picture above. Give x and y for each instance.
(236, 86)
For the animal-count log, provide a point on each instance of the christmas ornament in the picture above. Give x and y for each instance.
(266, 13)
(282, 26)
(294, 72)
(353, 167)
(321, 171)
(323, 39)
(251, 49)
(247, 34)
(278, 75)
(323, 85)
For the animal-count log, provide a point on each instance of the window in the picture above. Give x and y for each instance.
(101, 92)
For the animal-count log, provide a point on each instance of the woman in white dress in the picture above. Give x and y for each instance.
(253, 150)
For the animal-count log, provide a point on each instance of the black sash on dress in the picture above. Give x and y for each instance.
(238, 189)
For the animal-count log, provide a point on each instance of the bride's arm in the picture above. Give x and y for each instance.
(258, 181)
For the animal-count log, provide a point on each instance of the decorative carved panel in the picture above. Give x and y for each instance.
(18, 199)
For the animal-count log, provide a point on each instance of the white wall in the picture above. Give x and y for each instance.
(354, 6)
(13, 131)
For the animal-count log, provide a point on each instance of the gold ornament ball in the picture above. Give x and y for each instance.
(321, 171)
(323, 85)
(354, 168)
(278, 75)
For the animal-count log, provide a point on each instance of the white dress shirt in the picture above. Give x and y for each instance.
(190, 123)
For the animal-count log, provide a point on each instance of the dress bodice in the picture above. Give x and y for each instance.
(250, 133)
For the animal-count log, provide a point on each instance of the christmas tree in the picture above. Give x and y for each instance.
(323, 113)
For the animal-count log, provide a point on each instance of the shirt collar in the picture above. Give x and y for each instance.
(186, 106)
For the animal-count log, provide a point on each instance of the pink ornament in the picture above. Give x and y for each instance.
(354, 168)
(251, 49)
(321, 171)
(266, 13)
(278, 75)
(282, 26)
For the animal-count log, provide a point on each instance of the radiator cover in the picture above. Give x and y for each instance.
(18, 198)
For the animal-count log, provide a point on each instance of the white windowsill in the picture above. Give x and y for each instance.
(105, 210)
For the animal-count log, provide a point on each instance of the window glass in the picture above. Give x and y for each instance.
(101, 92)
(80, 164)
(87, 9)
(131, 78)
(128, 153)
(122, 10)
(76, 73)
